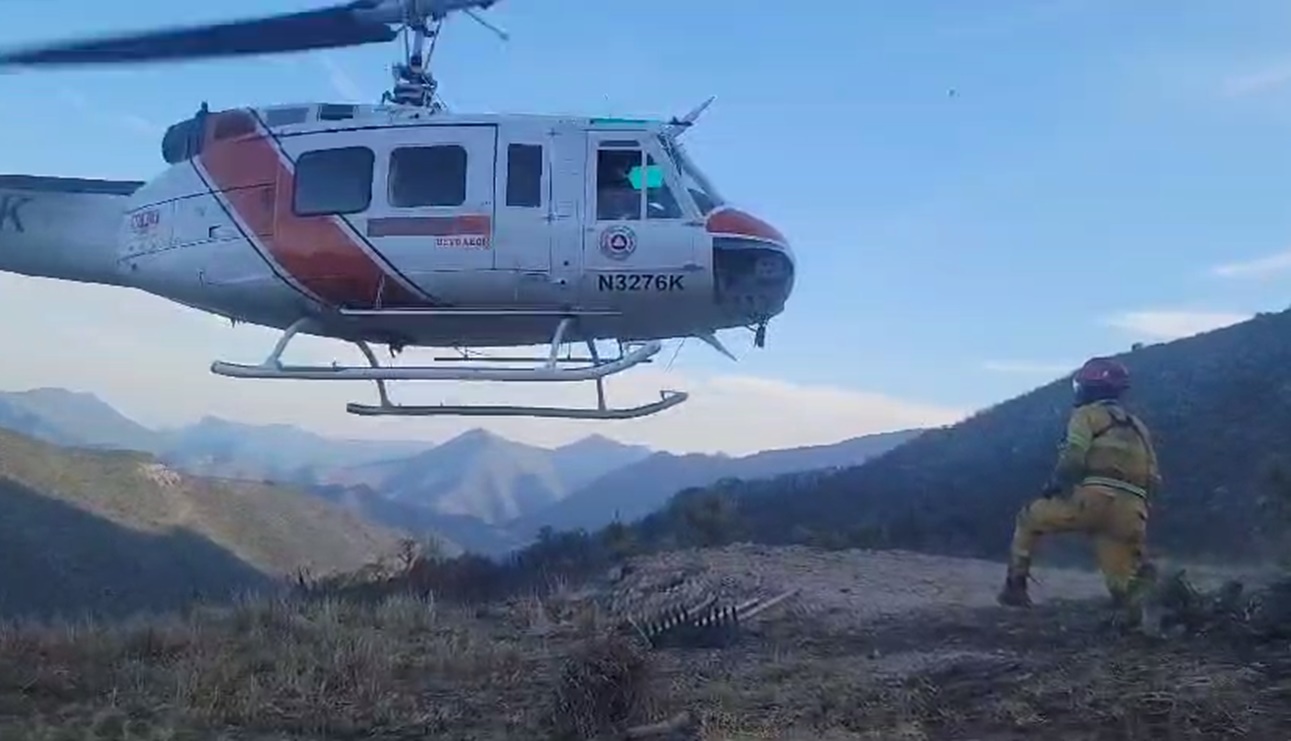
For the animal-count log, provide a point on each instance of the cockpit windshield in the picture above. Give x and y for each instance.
(700, 188)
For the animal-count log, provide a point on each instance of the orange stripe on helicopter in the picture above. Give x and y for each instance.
(318, 252)
(732, 222)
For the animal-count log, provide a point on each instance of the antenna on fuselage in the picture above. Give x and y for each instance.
(677, 126)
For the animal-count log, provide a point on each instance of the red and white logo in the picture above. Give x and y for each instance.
(617, 242)
(142, 221)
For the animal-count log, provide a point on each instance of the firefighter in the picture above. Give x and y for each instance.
(1105, 476)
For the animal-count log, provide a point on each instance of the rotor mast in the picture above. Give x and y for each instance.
(414, 84)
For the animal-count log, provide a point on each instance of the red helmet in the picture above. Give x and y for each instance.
(1102, 374)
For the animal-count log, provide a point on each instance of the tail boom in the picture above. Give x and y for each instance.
(65, 228)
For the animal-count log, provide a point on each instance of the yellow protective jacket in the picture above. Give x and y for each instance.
(1108, 446)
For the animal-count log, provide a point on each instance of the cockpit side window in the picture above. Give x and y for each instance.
(701, 190)
(630, 186)
(660, 202)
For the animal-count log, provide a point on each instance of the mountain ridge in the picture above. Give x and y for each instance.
(478, 491)
(634, 491)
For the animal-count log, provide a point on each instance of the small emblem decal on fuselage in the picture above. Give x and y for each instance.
(146, 220)
(617, 242)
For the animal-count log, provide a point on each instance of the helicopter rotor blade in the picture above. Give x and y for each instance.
(484, 22)
(315, 29)
(351, 24)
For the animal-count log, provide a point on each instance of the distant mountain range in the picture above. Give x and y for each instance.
(211, 446)
(633, 491)
(478, 491)
(493, 479)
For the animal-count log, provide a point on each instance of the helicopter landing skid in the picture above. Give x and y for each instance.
(592, 368)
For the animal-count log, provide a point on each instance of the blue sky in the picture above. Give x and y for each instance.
(1097, 162)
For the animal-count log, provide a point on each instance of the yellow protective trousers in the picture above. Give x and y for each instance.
(1116, 520)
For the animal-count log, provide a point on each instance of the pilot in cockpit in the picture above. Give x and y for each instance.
(616, 198)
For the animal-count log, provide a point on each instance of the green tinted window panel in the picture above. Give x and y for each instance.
(652, 177)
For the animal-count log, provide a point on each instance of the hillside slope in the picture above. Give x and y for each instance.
(72, 418)
(636, 490)
(116, 531)
(453, 534)
(1219, 404)
(220, 447)
(583, 461)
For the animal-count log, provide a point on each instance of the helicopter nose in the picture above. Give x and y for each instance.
(753, 265)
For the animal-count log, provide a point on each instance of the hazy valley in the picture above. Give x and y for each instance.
(479, 491)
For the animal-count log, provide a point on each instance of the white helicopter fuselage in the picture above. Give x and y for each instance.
(405, 227)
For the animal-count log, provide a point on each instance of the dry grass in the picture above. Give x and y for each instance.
(403, 667)
(319, 669)
(603, 689)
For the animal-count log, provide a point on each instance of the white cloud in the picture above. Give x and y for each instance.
(1173, 325)
(138, 124)
(127, 121)
(1261, 267)
(1258, 82)
(151, 359)
(1025, 367)
(342, 83)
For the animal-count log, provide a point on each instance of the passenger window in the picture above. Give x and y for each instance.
(428, 176)
(621, 177)
(524, 175)
(333, 181)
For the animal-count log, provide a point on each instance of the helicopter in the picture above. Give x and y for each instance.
(405, 224)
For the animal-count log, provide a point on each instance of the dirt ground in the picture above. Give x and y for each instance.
(896, 645)
(875, 646)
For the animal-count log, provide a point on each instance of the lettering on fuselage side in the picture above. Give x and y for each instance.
(471, 231)
(11, 213)
(640, 282)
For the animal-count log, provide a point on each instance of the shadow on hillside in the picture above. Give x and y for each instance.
(56, 559)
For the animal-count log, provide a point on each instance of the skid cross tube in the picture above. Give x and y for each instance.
(272, 366)
(548, 369)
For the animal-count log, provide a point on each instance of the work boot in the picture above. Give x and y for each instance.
(1014, 593)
